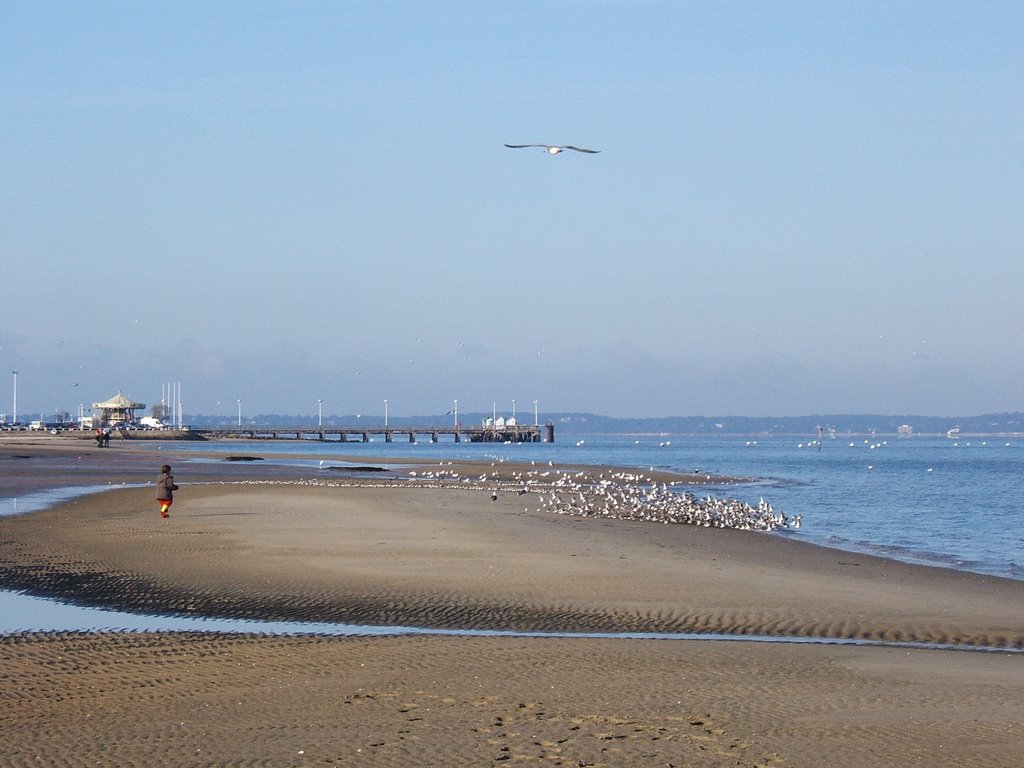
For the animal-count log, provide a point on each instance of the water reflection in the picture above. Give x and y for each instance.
(39, 500)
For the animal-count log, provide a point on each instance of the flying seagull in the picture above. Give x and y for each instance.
(553, 150)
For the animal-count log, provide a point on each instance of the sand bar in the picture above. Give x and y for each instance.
(453, 558)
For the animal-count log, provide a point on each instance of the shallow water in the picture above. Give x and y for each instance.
(24, 613)
(33, 502)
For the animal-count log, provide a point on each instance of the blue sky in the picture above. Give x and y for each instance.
(798, 207)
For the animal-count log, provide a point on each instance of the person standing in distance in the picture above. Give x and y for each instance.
(165, 489)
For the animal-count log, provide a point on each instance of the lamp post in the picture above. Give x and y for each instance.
(456, 414)
(239, 412)
(320, 414)
(14, 416)
(385, 414)
(535, 420)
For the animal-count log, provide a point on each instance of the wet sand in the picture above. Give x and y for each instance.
(452, 558)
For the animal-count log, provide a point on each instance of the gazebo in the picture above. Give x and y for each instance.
(119, 408)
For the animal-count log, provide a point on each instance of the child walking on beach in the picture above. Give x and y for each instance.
(165, 489)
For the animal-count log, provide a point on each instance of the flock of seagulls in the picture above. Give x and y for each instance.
(554, 149)
(617, 495)
(620, 496)
(628, 496)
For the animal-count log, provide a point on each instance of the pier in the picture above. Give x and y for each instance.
(505, 433)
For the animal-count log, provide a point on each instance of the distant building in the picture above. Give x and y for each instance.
(117, 410)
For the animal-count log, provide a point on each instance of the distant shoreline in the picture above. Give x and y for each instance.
(196, 435)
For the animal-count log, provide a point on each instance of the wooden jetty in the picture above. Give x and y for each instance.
(507, 433)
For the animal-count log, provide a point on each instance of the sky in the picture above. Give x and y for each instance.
(797, 208)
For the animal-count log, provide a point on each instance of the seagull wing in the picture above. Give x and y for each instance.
(582, 149)
(523, 146)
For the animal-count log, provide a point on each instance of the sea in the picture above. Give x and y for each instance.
(948, 503)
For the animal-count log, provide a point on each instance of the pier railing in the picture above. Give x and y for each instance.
(514, 433)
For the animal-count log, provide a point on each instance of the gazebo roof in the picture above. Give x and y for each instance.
(119, 402)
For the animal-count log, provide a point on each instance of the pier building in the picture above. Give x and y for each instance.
(119, 409)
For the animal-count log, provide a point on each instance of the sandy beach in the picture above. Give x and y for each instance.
(247, 539)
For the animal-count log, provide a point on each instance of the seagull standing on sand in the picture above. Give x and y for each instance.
(554, 150)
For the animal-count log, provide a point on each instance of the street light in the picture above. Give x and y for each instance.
(456, 412)
(535, 421)
(239, 412)
(385, 414)
(14, 416)
(320, 414)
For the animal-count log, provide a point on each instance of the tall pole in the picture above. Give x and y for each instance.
(456, 414)
(513, 409)
(14, 416)
(385, 414)
(535, 420)
(239, 412)
(320, 414)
